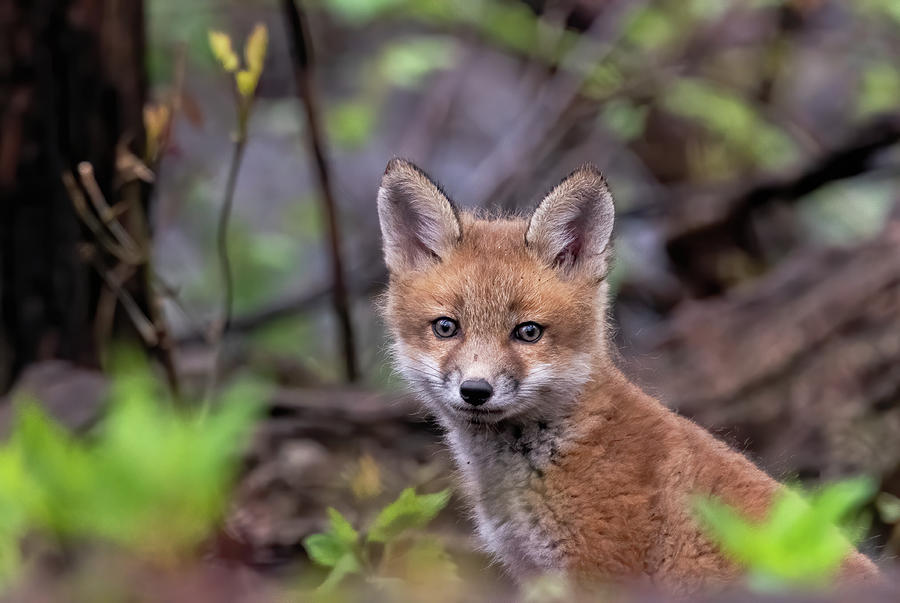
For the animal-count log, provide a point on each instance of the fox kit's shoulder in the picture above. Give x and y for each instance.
(500, 327)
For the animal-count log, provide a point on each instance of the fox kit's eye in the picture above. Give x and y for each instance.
(529, 332)
(445, 327)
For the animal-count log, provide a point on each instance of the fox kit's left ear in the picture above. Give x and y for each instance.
(570, 229)
(418, 222)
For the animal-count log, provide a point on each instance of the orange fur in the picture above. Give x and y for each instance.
(572, 468)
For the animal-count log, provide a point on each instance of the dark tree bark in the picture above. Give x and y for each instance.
(72, 89)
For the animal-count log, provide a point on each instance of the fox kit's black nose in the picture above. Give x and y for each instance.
(475, 391)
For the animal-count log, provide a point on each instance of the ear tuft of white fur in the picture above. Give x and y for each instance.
(418, 222)
(571, 228)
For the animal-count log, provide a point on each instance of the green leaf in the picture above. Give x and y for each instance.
(18, 496)
(220, 44)
(329, 547)
(347, 565)
(342, 529)
(325, 549)
(58, 467)
(152, 479)
(409, 511)
(799, 543)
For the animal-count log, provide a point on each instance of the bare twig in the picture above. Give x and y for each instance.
(107, 215)
(109, 244)
(132, 251)
(114, 280)
(164, 349)
(303, 73)
(109, 300)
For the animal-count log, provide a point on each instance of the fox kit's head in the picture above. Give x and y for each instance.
(496, 319)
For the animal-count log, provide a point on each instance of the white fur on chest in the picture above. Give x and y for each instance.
(503, 470)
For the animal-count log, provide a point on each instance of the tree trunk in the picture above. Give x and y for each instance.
(72, 90)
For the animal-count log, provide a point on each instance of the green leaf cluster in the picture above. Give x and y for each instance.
(153, 479)
(729, 116)
(803, 540)
(347, 552)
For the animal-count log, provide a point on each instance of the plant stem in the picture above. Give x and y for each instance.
(303, 73)
(218, 338)
(222, 233)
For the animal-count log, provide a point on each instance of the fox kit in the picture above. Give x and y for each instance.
(500, 327)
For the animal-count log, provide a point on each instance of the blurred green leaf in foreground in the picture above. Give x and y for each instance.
(343, 550)
(153, 479)
(803, 540)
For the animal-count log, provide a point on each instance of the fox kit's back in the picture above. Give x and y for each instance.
(500, 326)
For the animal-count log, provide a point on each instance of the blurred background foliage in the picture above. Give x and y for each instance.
(753, 147)
(681, 96)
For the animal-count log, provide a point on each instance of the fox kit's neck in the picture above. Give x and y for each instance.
(505, 465)
(503, 470)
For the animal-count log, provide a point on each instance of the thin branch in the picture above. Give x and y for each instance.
(303, 73)
(113, 280)
(133, 255)
(107, 215)
(79, 202)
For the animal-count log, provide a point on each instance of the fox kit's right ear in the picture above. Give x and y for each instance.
(418, 222)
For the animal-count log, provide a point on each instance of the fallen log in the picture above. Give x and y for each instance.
(802, 366)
